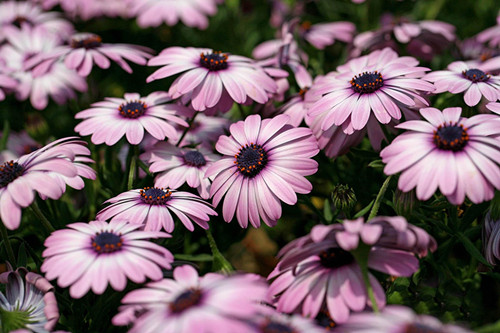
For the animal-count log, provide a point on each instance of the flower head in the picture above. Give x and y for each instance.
(323, 34)
(377, 84)
(491, 239)
(189, 303)
(193, 13)
(321, 270)
(108, 121)
(212, 79)
(85, 49)
(264, 162)
(460, 77)
(91, 255)
(152, 208)
(396, 318)
(177, 166)
(29, 302)
(460, 156)
(47, 171)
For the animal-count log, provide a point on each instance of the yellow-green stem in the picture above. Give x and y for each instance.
(378, 200)
(45, 222)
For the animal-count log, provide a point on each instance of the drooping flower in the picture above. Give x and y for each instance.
(460, 156)
(152, 208)
(193, 13)
(321, 270)
(322, 35)
(474, 81)
(377, 84)
(491, 239)
(109, 120)
(19, 13)
(395, 318)
(212, 79)
(177, 166)
(264, 162)
(29, 303)
(58, 82)
(189, 303)
(85, 49)
(90, 255)
(46, 171)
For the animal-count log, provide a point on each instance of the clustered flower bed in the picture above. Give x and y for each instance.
(267, 166)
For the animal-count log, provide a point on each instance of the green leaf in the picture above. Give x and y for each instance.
(327, 211)
(377, 164)
(21, 256)
(364, 210)
(471, 248)
(490, 328)
(204, 257)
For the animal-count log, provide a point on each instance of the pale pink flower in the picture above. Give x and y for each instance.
(189, 303)
(460, 156)
(491, 35)
(88, 9)
(491, 239)
(321, 35)
(46, 171)
(109, 120)
(212, 79)
(205, 130)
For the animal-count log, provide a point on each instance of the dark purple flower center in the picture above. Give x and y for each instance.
(194, 158)
(421, 328)
(251, 159)
(324, 319)
(335, 257)
(8, 172)
(475, 75)
(27, 149)
(19, 20)
(107, 242)
(86, 41)
(214, 61)
(274, 327)
(451, 137)
(302, 92)
(132, 109)
(367, 82)
(186, 300)
(155, 195)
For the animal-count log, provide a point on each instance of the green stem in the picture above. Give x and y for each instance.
(45, 222)
(220, 263)
(8, 246)
(434, 9)
(369, 288)
(361, 255)
(5, 135)
(133, 166)
(190, 123)
(378, 200)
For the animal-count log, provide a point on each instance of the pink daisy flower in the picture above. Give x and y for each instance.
(395, 318)
(58, 82)
(212, 79)
(193, 13)
(474, 81)
(88, 9)
(30, 300)
(91, 255)
(491, 35)
(378, 83)
(152, 208)
(6, 81)
(85, 49)
(271, 321)
(320, 268)
(205, 130)
(189, 303)
(460, 156)
(109, 120)
(37, 171)
(491, 239)
(494, 107)
(177, 166)
(322, 35)
(264, 162)
(19, 13)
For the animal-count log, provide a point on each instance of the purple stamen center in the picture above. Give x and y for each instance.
(186, 300)
(451, 137)
(86, 41)
(421, 328)
(155, 195)
(214, 61)
(335, 258)
(132, 109)
(367, 82)
(250, 160)
(194, 158)
(107, 242)
(475, 75)
(19, 20)
(8, 172)
(324, 319)
(274, 327)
